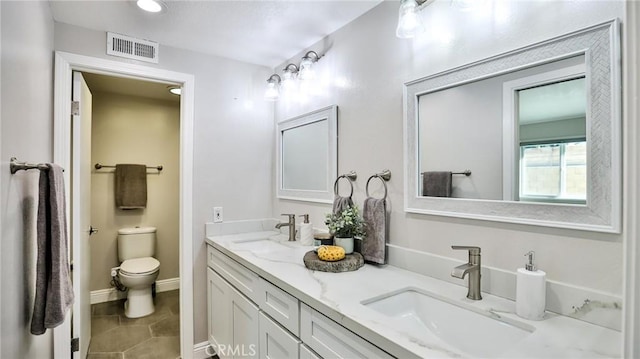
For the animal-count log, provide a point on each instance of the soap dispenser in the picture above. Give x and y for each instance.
(530, 290)
(306, 231)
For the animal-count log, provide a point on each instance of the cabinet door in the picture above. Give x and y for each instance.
(245, 320)
(275, 341)
(218, 305)
(331, 340)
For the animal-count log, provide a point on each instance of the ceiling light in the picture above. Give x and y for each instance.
(150, 5)
(409, 22)
(175, 90)
(306, 65)
(273, 88)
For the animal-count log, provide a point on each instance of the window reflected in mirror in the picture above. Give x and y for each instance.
(552, 132)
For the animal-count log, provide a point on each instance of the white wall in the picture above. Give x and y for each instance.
(365, 67)
(27, 73)
(233, 140)
(132, 129)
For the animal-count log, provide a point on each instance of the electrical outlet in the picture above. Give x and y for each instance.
(217, 214)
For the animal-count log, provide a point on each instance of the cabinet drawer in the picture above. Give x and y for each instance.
(307, 353)
(280, 305)
(331, 340)
(240, 277)
(275, 341)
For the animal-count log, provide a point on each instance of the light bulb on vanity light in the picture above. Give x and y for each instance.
(272, 93)
(409, 22)
(289, 75)
(306, 66)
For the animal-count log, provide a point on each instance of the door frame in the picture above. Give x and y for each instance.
(65, 64)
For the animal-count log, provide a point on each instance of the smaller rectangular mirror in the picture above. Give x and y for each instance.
(307, 160)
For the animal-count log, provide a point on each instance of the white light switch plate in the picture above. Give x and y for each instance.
(217, 214)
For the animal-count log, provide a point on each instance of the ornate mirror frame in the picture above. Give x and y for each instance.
(600, 45)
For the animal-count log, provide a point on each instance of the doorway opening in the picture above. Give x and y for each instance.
(132, 122)
(69, 154)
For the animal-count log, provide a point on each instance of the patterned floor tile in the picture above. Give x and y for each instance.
(114, 336)
(169, 327)
(155, 348)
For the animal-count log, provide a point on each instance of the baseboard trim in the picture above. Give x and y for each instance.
(111, 294)
(202, 351)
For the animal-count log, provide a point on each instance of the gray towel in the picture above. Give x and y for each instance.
(131, 186)
(54, 291)
(436, 184)
(341, 203)
(374, 246)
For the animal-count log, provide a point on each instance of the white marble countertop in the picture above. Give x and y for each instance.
(339, 297)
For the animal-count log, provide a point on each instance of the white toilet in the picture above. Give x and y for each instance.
(138, 269)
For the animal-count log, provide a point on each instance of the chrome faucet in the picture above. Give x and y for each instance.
(472, 268)
(291, 224)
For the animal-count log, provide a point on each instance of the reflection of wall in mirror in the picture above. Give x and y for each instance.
(305, 157)
(461, 128)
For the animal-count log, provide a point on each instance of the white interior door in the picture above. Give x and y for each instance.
(81, 212)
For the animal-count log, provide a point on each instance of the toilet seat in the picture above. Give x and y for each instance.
(139, 266)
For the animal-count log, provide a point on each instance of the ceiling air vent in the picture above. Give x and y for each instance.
(132, 48)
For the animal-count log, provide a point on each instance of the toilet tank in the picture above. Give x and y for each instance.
(136, 242)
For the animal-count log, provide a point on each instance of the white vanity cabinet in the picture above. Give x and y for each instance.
(275, 341)
(233, 320)
(218, 304)
(331, 340)
(307, 353)
(248, 316)
(281, 306)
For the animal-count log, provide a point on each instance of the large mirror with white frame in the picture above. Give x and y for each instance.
(531, 136)
(307, 163)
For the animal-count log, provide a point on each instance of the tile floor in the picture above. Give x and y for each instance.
(156, 336)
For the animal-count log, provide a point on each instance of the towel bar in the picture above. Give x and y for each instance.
(465, 172)
(351, 176)
(384, 176)
(99, 166)
(15, 166)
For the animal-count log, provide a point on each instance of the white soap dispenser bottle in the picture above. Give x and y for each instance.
(530, 290)
(306, 231)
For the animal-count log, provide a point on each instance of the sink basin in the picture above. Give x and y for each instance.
(257, 245)
(475, 331)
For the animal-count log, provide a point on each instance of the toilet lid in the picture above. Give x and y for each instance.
(140, 265)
